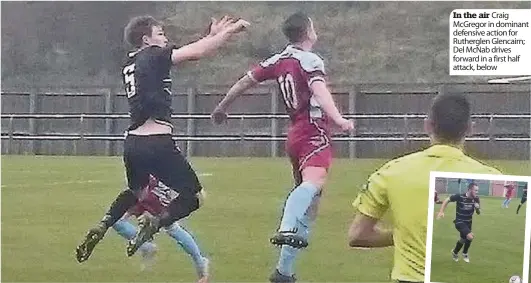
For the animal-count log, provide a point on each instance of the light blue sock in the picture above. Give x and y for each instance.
(187, 243)
(288, 254)
(127, 230)
(298, 202)
(509, 201)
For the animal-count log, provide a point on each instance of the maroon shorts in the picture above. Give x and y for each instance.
(155, 198)
(310, 151)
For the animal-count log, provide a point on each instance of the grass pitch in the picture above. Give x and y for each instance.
(496, 253)
(48, 203)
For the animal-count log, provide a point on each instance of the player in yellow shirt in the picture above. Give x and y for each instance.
(401, 188)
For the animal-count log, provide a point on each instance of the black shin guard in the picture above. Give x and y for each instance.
(467, 246)
(125, 200)
(458, 246)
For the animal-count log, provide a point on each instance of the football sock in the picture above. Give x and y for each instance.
(287, 258)
(288, 254)
(125, 200)
(187, 242)
(467, 246)
(296, 205)
(518, 209)
(127, 230)
(458, 246)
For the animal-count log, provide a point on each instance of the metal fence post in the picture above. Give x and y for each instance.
(406, 134)
(10, 140)
(108, 121)
(190, 123)
(490, 131)
(352, 110)
(242, 135)
(82, 146)
(32, 121)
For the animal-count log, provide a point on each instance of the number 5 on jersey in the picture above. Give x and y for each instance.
(129, 80)
(287, 88)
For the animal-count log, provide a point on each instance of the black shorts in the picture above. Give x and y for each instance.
(463, 228)
(523, 200)
(158, 155)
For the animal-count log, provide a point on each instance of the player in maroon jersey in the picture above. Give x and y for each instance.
(509, 188)
(300, 75)
(154, 199)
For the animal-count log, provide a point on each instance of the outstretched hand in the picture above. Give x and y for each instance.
(227, 24)
(217, 26)
(238, 26)
(345, 125)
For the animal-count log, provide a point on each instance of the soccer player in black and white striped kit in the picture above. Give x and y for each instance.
(466, 205)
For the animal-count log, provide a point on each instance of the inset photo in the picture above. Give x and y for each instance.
(478, 228)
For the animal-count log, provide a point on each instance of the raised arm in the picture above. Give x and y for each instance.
(260, 73)
(445, 203)
(326, 101)
(210, 43)
(219, 114)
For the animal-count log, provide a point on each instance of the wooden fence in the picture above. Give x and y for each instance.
(91, 120)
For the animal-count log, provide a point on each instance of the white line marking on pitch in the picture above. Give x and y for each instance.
(54, 183)
(77, 182)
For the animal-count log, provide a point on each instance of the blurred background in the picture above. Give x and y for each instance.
(382, 58)
(81, 42)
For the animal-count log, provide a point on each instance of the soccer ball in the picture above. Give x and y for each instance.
(515, 279)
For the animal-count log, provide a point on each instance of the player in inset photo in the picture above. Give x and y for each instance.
(523, 200)
(508, 192)
(469, 246)
(465, 206)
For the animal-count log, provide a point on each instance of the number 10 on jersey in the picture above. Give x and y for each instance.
(287, 88)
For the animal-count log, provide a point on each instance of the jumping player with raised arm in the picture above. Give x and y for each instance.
(405, 181)
(465, 206)
(149, 147)
(300, 75)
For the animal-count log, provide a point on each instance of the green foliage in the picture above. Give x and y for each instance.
(81, 42)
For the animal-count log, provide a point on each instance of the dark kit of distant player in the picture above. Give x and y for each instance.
(466, 205)
(523, 200)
